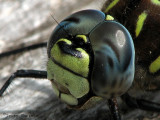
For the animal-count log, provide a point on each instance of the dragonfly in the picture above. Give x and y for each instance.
(119, 14)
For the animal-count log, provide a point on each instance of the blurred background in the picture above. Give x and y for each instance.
(26, 22)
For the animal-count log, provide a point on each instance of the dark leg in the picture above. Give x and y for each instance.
(114, 109)
(31, 47)
(140, 103)
(24, 74)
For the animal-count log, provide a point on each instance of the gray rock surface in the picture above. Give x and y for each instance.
(25, 22)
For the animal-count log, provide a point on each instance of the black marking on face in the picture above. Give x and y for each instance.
(69, 49)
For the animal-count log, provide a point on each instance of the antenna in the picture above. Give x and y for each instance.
(60, 25)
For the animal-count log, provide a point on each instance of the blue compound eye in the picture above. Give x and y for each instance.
(113, 68)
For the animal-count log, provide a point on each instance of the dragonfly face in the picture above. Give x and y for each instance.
(90, 55)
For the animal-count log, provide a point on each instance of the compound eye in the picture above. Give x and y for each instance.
(113, 69)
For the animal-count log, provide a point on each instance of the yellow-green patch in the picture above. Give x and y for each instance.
(77, 86)
(69, 99)
(65, 40)
(156, 2)
(83, 37)
(109, 17)
(140, 22)
(155, 65)
(77, 65)
(111, 5)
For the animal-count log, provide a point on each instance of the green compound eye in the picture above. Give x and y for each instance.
(90, 57)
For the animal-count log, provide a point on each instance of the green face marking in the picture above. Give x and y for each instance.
(65, 40)
(109, 17)
(83, 37)
(111, 5)
(66, 84)
(141, 19)
(155, 65)
(156, 2)
(69, 99)
(75, 64)
(68, 69)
